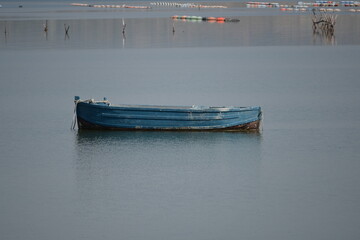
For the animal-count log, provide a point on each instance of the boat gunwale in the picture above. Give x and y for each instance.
(160, 108)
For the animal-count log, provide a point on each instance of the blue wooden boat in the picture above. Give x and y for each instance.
(91, 114)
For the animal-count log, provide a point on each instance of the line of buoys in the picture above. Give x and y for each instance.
(80, 4)
(319, 9)
(350, 3)
(208, 19)
(108, 6)
(212, 6)
(185, 5)
(330, 10)
(319, 4)
(262, 4)
(137, 7)
(325, 3)
(173, 4)
(302, 9)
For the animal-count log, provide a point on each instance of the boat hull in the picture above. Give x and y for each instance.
(105, 117)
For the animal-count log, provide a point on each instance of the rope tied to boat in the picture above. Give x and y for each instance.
(74, 120)
(90, 101)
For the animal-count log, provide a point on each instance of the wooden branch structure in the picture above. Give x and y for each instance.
(324, 23)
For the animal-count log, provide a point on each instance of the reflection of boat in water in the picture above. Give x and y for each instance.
(85, 136)
(99, 145)
(92, 114)
(135, 162)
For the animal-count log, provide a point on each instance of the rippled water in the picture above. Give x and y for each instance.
(297, 179)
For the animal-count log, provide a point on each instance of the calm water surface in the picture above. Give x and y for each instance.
(297, 179)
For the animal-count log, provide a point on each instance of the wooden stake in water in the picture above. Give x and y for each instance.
(124, 26)
(46, 26)
(66, 27)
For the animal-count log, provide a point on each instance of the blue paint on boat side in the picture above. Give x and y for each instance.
(101, 114)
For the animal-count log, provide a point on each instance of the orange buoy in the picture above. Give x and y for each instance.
(220, 19)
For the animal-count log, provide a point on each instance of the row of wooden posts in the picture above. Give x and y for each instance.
(46, 28)
(66, 28)
(321, 22)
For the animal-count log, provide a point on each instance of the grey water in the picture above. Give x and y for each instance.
(296, 179)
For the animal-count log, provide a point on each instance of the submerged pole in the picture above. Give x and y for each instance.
(46, 26)
(124, 26)
(66, 27)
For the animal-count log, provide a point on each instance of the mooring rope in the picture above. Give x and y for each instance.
(261, 122)
(74, 121)
(91, 101)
